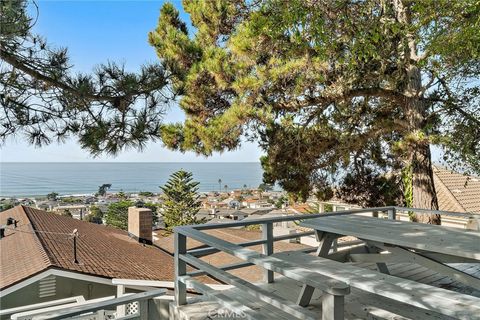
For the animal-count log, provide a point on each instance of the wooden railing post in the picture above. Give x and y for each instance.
(143, 309)
(121, 308)
(392, 213)
(180, 269)
(267, 234)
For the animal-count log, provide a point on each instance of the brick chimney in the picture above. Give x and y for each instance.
(140, 224)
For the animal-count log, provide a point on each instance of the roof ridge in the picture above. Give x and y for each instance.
(41, 244)
(448, 191)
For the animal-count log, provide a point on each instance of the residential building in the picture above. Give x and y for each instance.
(39, 264)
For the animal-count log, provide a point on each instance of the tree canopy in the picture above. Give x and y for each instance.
(180, 203)
(43, 99)
(117, 213)
(329, 86)
(102, 190)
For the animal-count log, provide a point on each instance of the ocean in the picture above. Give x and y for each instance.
(38, 179)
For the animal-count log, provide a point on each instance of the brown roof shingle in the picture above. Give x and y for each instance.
(42, 241)
(456, 192)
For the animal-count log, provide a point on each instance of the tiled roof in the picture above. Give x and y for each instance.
(21, 253)
(41, 241)
(457, 192)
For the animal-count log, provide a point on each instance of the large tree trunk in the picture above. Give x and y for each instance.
(418, 157)
(424, 194)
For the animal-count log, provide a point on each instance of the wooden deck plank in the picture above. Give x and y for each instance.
(416, 294)
(456, 242)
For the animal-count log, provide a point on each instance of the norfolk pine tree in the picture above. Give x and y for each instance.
(180, 203)
(329, 85)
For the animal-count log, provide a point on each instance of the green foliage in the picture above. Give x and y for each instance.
(71, 200)
(328, 207)
(52, 196)
(66, 213)
(5, 205)
(102, 190)
(117, 214)
(146, 194)
(95, 215)
(108, 109)
(370, 189)
(180, 200)
(122, 195)
(281, 201)
(253, 227)
(327, 86)
(264, 187)
(407, 180)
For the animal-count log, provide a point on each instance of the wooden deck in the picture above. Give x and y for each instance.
(358, 304)
(423, 275)
(427, 272)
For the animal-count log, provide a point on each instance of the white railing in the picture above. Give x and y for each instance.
(96, 309)
(54, 303)
(184, 257)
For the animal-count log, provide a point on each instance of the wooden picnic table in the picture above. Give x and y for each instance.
(431, 246)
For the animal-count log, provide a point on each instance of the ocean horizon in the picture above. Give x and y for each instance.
(29, 179)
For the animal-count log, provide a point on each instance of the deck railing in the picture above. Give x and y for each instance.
(184, 256)
(97, 309)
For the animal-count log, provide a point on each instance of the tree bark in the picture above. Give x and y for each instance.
(418, 155)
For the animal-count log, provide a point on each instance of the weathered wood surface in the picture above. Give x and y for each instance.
(419, 295)
(451, 241)
(255, 292)
(271, 263)
(243, 305)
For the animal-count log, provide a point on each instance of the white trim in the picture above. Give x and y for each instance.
(143, 283)
(161, 284)
(35, 306)
(55, 272)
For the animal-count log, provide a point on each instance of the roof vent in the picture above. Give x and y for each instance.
(2, 232)
(11, 221)
(47, 287)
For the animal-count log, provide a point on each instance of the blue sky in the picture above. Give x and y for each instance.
(95, 32)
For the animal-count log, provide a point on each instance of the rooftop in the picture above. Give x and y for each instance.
(457, 192)
(43, 240)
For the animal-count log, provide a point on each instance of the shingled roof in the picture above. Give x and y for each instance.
(41, 241)
(455, 191)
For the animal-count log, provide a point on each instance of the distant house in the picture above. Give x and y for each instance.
(229, 214)
(38, 262)
(77, 211)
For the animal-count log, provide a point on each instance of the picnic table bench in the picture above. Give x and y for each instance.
(408, 298)
(398, 241)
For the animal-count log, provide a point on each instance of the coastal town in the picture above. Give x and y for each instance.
(236, 159)
(456, 192)
(214, 206)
